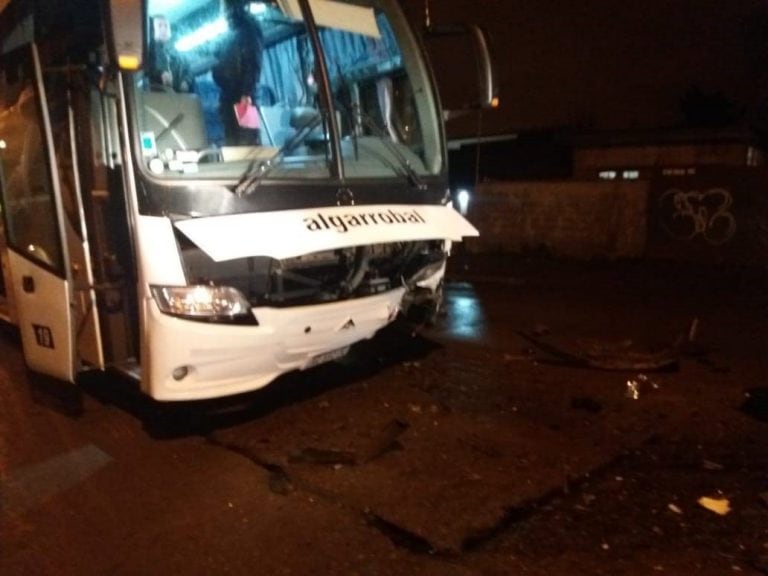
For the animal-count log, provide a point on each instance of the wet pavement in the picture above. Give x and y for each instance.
(527, 432)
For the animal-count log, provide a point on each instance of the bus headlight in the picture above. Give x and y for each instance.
(461, 201)
(205, 303)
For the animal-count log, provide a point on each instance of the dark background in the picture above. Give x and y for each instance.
(607, 65)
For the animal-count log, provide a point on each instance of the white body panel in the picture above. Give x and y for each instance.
(160, 263)
(44, 318)
(185, 360)
(221, 359)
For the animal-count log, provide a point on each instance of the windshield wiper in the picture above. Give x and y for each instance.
(354, 111)
(403, 163)
(258, 169)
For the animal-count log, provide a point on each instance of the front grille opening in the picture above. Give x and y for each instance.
(319, 277)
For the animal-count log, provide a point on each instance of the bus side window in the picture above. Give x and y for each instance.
(27, 190)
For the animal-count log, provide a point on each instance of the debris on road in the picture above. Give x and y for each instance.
(608, 356)
(385, 441)
(693, 330)
(635, 385)
(633, 389)
(675, 508)
(719, 506)
(324, 457)
(279, 482)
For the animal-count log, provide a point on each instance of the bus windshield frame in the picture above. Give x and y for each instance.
(380, 113)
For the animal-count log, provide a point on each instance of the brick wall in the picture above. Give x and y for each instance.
(574, 219)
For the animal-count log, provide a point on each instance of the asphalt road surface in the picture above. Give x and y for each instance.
(560, 418)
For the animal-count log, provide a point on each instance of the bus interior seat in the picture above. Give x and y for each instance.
(277, 126)
(176, 119)
(302, 117)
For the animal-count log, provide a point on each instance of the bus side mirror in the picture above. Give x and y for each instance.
(126, 31)
(458, 54)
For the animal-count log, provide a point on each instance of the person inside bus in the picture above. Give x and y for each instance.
(237, 70)
(167, 69)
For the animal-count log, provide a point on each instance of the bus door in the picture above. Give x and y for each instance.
(40, 236)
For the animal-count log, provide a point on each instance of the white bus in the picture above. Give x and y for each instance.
(141, 233)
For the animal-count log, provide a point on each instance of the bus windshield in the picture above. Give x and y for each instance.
(233, 90)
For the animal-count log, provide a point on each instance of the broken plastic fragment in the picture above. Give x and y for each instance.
(693, 330)
(719, 506)
(644, 378)
(640, 381)
(675, 508)
(633, 389)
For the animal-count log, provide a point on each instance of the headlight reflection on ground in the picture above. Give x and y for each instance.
(466, 317)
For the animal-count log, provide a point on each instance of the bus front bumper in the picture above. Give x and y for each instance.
(187, 360)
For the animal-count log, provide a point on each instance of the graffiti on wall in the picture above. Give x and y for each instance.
(691, 214)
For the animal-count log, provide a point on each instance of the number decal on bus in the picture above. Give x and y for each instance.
(44, 336)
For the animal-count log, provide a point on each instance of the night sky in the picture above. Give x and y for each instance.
(608, 65)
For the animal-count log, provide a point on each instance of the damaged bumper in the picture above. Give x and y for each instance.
(193, 360)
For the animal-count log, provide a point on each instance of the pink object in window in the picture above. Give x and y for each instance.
(247, 115)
